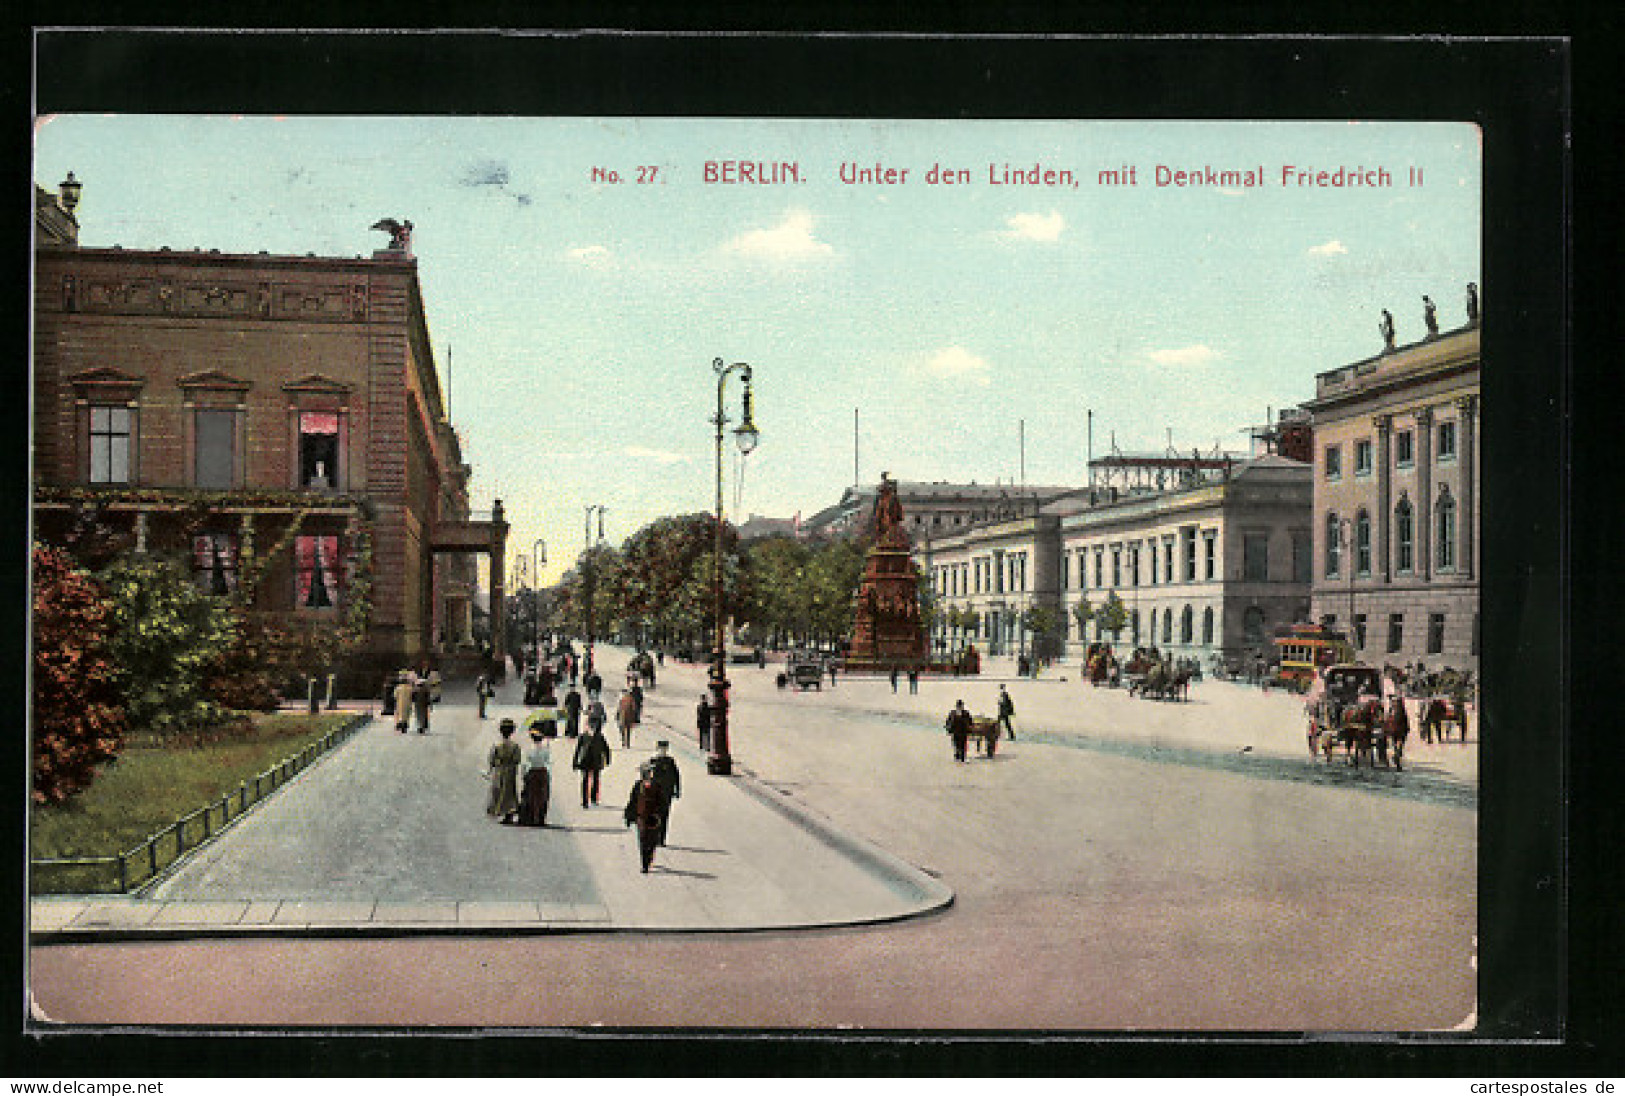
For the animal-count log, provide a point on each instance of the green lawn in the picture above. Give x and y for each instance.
(148, 788)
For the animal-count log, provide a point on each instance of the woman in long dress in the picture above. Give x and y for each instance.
(538, 783)
(503, 766)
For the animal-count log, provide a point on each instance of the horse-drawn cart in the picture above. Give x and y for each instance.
(984, 731)
(1348, 709)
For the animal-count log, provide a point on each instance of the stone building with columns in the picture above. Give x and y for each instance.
(1396, 497)
(272, 418)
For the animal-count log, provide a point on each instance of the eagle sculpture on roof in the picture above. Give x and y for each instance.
(400, 233)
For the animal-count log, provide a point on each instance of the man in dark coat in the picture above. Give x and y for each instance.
(664, 767)
(959, 727)
(702, 721)
(591, 758)
(1007, 708)
(646, 808)
(572, 713)
(422, 697)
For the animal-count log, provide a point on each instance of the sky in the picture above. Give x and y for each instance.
(575, 314)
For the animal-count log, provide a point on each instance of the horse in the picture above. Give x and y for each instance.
(1438, 713)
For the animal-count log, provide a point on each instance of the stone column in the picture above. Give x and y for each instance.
(1384, 426)
(1466, 460)
(1424, 489)
(497, 591)
(140, 532)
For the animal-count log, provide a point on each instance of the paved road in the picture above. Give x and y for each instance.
(1106, 878)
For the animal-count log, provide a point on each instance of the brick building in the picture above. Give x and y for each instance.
(266, 415)
(1397, 498)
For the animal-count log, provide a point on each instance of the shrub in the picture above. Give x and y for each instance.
(79, 718)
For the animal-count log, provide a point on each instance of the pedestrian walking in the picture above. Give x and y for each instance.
(572, 712)
(421, 699)
(626, 717)
(484, 691)
(637, 700)
(959, 726)
(664, 767)
(596, 716)
(593, 681)
(537, 787)
(831, 667)
(591, 759)
(502, 769)
(1007, 708)
(913, 680)
(434, 686)
(894, 680)
(702, 721)
(403, 700)
(646, 808)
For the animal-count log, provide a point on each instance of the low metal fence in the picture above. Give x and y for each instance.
(145, 862)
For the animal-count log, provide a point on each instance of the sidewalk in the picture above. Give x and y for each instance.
(387, 836)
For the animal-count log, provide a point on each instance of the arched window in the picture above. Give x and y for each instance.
(1445, 535)
(1362, 543)
(1167, 625)
(1207, 626)
(1134, 625)
(1187, 625)
(1404, 537)
(1334, 550)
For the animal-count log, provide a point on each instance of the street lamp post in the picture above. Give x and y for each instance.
(536, 561)
(1345, 536)
(586, 566)
(720, 762)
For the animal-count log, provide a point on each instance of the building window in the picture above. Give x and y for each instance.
(1334, 547)
(1134, 565)
(1066, 571)
(319, 450)
(110, 432)
(1167, 559)
(1098, 555)
(1359, 631)
(1255, 554)
(1252, 626)
(316, 562)
(1302, 554)
(1187, 625)
(214, 563)
(1153, 562)
(1117, 565)
(1396, 632)
(1362, 543)
(1334, 462)
(1362, 458)
(1445, 535)
(1207, 626)
(1435, 633)
(1447, 441)
(215, 449)
(1189, 538)
(1404, 537)
(1210, 555)
(1405, 448)
(1134, 625)
(1167, 625)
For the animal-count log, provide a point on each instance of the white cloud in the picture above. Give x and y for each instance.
(592, 254)
(1193, 356)
(1043, 227)
(790, 240)
(659, 456)
(955, 363)
(1330, 247)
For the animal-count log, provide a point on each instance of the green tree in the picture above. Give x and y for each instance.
(1044, 623)
(1113, 615)
(1083, 613)
(78, 710)
(168, 640)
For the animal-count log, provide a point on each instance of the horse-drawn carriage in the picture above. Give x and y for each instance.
(1350, 710)
(1100, 665)
(1152, 675)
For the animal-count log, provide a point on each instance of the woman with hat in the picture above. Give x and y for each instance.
(503, 767)
(538, 783)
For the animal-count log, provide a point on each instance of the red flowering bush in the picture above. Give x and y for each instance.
(79, 720)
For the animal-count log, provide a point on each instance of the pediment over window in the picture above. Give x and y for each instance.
(213, 378)
(106, 377)
(316, 384)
